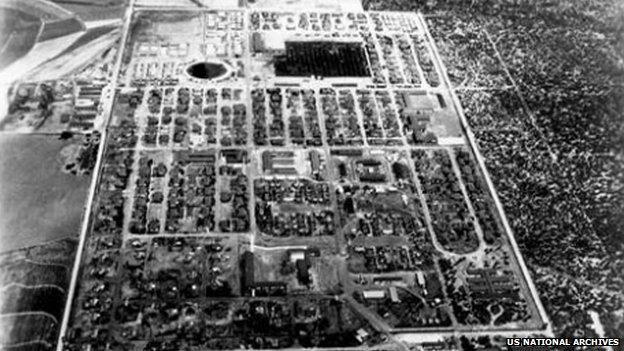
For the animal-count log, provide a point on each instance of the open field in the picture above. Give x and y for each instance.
(19, 329)
(39, 202)
(34, 282)
(94, 10)
(18, 33)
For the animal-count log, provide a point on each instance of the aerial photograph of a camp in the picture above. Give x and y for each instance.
(390, 175)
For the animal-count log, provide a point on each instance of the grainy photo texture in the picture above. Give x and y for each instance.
(390, 175)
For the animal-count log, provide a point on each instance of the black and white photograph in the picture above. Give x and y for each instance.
(322, 175)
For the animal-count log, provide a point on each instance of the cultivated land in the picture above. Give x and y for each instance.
(289, 180)
(34, 282)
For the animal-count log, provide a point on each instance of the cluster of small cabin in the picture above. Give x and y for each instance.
(86, 104)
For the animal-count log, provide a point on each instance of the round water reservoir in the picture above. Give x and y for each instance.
(206, 70)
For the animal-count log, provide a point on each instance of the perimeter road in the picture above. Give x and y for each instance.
(473, 145)
(94, 181)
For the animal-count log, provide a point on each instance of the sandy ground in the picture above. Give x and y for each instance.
(39, 54)
(73, 60)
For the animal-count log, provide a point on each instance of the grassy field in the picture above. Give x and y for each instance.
(38, 201)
